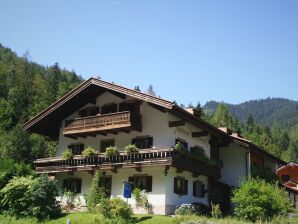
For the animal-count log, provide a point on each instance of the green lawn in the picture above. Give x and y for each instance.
(88, 218)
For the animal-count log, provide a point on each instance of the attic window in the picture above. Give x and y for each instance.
(89, 111)
(285, 178)
(109, 108)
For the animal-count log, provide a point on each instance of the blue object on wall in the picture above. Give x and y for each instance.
(127, 190)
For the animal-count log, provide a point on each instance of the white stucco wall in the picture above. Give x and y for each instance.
(173, 200)
(234, 164)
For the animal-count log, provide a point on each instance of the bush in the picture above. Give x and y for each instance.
(259, 200)
(25, 196)
(131, 149)
(95, 194)
(89, 152)
(179, 147)
(112, 151)
(216, 211)
(141, 198)
(67, 154)
(193, 209)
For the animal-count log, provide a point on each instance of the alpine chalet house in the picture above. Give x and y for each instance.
(100, 114)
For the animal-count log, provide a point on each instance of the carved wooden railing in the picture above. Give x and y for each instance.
(98, 121)
(148, 157)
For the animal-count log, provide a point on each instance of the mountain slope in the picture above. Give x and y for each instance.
(264, 111)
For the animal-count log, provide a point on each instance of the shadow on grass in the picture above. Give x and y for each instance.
(144, 218)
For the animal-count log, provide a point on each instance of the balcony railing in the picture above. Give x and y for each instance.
(101, 122)
(148, 157)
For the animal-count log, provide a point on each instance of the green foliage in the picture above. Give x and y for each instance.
(95, 194)
(141, 199)
(260, 200)
(26, 196)
(131, 149)
(200, 155)
(67, 154)
(216, 211)
(263, 173)
(89, 152)
(192, 209)
(179, 147)
(112, 151)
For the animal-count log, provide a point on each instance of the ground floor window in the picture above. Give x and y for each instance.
(142, 182)
(180, 186)
(106, 184)
(73, 185)
(198, 189)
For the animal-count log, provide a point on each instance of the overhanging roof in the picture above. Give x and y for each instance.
(48, 121)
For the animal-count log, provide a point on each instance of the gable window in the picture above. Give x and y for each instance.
(142, 182)
(109, 108)
(180, 186)
(181, 141)
(76, 149)
(143, 142)
(106, 143)
(89, 111)
(198, 189)
(72, 185)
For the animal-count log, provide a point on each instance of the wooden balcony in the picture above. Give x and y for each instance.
(102, 124)
(149, 157)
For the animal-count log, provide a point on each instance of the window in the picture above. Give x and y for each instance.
(285, 178)
(143, 142)
(198, 189)
(106, 184)
(76, 149)
(142, 182)
(106, 143)
(180, 186)
(73, 185)
(89, 111)
(109, 108)
(184, 143)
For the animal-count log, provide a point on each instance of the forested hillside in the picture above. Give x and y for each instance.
(25, 89)
(264, 111)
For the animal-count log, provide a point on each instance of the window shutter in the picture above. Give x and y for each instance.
(131, 180)
(194, 189)
(81, 148)
(79, 185)
(150, 142)
(185, 190)
(65, 187)
(175, 185)
(149, 183)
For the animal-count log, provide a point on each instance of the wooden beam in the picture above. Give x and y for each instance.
(138, 168)
(71, 136)
(200, 134)
(176, 123)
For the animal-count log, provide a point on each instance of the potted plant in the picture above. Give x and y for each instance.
(131, 149)
(67, 154)
(89, 152)
(179, 147)
(112, 151)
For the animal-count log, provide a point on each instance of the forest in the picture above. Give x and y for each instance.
(27, 88)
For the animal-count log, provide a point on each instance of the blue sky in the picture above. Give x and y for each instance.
(188, 50)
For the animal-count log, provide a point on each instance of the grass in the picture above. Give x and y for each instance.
(88, 218)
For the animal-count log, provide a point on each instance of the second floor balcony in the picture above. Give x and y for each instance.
(102, 124)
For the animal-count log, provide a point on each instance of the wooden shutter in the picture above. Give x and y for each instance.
(149, 183)
(79, 185)
(194, 189)
(150, 142)
(185, 187)
(65, 187)
(175, 185)
(81, 148)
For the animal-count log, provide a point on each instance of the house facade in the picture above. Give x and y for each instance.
(100, 114)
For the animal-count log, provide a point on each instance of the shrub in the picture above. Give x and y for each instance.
(67, 154)
(193, 209)
(68, 202)
(89, 152)
(141, 198)
(43, 194)
(179, 147)
(184, 209)
(95, 194)
(216, 211)
(111, 151)
(259, 200)
(25, 196)
(131, 149)
(201, 209)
